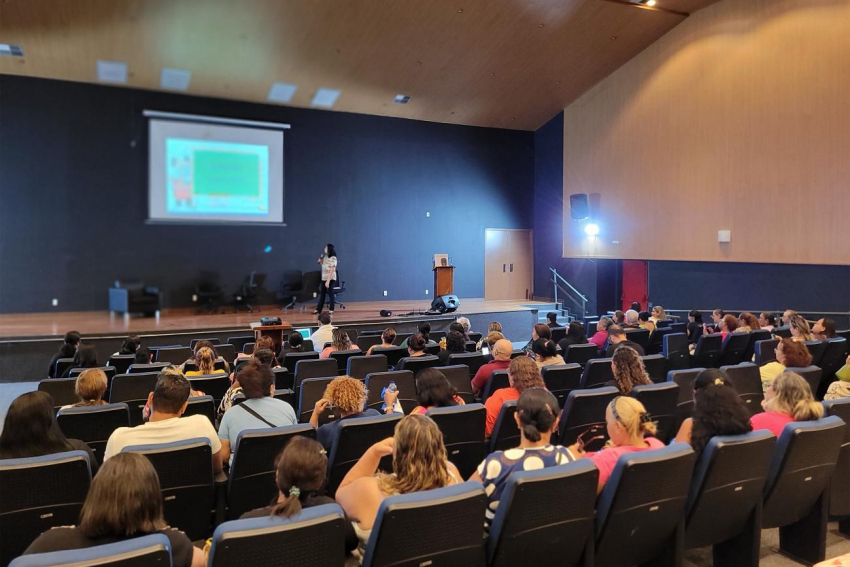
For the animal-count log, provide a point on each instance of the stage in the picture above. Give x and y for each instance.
(28, 341)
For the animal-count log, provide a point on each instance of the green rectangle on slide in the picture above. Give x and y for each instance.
(226, 173)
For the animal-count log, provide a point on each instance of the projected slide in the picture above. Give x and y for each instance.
(214, 173)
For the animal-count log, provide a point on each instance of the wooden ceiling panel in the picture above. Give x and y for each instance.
(498, 63)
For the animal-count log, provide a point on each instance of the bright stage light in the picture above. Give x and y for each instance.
(591, 229)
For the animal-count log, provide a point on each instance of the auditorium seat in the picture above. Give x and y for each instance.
(314, 536)
(676, 351)
(291, 359)
(765, 351)
(61, 366)
(811, 374)
(475, 337)
(558, 333)
(133, 390)
(173, 355)
(498, 380)
(251, 483)
(417, 363)
(401, 337)
(215, 385)
(679, 327)
(590, 325)
(438, 336)
(155, 367)
(341, 357)
(517, 353)
(432, 349)
(311, 391)
(93, 424)
(39, 493)
(755, 336)
(816, 349)
(707, 352)
(393, 354)
(783, 332)
(240, 341)
(834, 357)
(843, 334)
(361, 366)
(505, 432)
(474, 360)
(561, 379)
(796, 497)
(639, 336)
(215, 341)
(201, 405)
(121, 362)
(355, 436)
(522, 534)
(685, 404)
(283, 378)
(226, 351)
(108, 370)
(377, 381)
(471, 346)
(185, 475)
(367, 341)
(248, 348)
(728, 483)
(732, 350)
(747, 381)
(325, 368)
(150, 550)
(459, 377)
(580, 354)
(839, 491)
(660, 400)
(656, 340)
(596, 373)
(448, 525)
(61, 390)
(640, 519)
(463, 434)
(656, 367)
(585, 409)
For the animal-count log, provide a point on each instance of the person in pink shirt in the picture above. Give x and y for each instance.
(630, 430)
(787, 398)
(601, 334)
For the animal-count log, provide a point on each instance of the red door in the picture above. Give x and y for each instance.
(634, 284)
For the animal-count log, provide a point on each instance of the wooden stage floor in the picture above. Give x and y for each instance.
(100, 323)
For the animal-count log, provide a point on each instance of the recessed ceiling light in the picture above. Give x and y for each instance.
(10, 50)
(401, 99)
(175, 79)
(111, 71)
(650, 2)
(325, 97)
(282, 92)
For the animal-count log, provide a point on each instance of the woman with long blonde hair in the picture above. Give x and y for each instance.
(628, 369)
(787, 398)
(800, 330)
(419, 463)
(339, 341)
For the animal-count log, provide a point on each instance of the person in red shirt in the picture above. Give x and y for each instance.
(501, 359)
(522, 374)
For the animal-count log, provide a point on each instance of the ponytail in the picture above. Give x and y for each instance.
(301, 469)
(290, 506)
(538, 410)
(807, 410)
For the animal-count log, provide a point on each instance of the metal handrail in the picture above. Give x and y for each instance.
(581, 304)
(558, 276)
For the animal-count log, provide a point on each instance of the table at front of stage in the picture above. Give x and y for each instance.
(273, 331)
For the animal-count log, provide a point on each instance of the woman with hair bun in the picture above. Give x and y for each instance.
(788, 398)
(536, 417)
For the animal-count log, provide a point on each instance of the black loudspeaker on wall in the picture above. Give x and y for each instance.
(579, 209)
(445, 303)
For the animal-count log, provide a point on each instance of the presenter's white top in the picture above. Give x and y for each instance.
(328, 268)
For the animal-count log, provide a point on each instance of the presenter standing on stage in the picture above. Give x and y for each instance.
(328, 262)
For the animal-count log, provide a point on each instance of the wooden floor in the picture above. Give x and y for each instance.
(100, 323)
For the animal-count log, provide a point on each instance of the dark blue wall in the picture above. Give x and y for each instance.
(548, 219)
(73, 199)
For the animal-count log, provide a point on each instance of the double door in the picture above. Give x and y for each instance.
(508, 263)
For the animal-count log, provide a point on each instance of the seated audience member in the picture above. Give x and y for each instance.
(539, 331)
(90, 387)
(787, 316)
(143, 356)
(457, 327)
(522, 374)
(492, 338)
(718, 410)
(264, 342)
(646, 321)
(467, 326)
(130, 345)
(552, 319)
(424, 329)
(628, 369)
(632, 319)
(727, 325)
(348, 396)
(635, 306)
(601, 334)
(85, 357)
(67, 350)
(630, 429)
(124, 502)
(168, 402)
(433, 390)
(787, 398)
(841, 387)
(767, 321)
(323, 334)
(205, 360)
(747, 322)
(455, 344)
(416, 344)
(30, 430)
(575, 336)
(419, 463)
(339, 341)
(266, 357)
(658, 314)
(800, 330)
(717, 315)
(493, 327)
(789, 354)
(300, 473)
(546, 353)
(259, 410)
(617, 338)
(695, 326)
(824, 329)
(263, 356)
(501, 360)
(619, 317)
(537, 418)
(387, 338)
(294, 343)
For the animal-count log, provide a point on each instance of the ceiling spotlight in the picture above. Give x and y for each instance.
(650, 2)
(591, 229)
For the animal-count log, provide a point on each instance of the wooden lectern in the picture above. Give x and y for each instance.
(443, 280)
(273, 331)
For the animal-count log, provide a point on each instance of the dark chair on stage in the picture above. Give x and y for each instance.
(249, 291)
(134, 297)
(208, 292)
(338, 290)
(298, 288)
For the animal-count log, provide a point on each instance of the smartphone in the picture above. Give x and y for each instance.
(593, 438)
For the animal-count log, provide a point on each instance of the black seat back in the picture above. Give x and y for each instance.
(459, 377)
(755, 336)
(361, 366)
(291, 359)
(639, 336)
(283, 378)
(463, 434)
(811, 374)
(400, 338)
(765, 351)
(505, 432)
(685, 403)
(834, 357)
(498, 380)
(418, 363)
(61, 390)
(561, 379)
(377, 381)
(660, 400)
(61, 366)
(747, 381)
(393, 354)
(240, 342)
(734, 348)
(227, 352)
(656, 367)
(656, 340)
(581, 354)
(558, 333)
(585, 409)
(121, 362)
(783, 332)
(201, 405)
(215, 385)
(365, 342)
(707, 352)
(93, 424)
(474, 360)
(155, 367)
(839, 492)
(816, 349)
(133, 390)
(679, 327)
(341, 357)
(596, 373)
(355, 436)
(173, 355)
(676, 351)
(311, 391)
